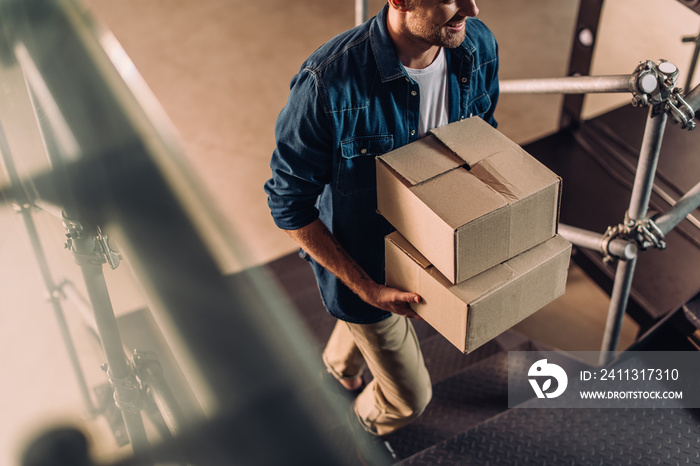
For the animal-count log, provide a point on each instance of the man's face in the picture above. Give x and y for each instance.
(440, 22)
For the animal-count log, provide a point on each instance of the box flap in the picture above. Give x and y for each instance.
(421, 160)
(414, 218)
(514, 173)
(494, 179)
(458, 197)
(484, 283)
(472, 140)
(403, 244)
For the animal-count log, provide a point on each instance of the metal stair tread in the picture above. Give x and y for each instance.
(573, 436)
(460, 402)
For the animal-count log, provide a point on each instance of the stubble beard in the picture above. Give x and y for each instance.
(451, 39)
(436, 35)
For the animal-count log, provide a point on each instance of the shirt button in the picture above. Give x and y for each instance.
(363, 151)
(413, 132)
(414, 93)
(464, 80)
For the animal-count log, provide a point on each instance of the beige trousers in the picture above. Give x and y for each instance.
(401, 387)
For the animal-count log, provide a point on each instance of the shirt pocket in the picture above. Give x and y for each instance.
(479, 105)
(356, 167)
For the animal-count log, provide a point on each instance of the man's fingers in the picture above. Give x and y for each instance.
(405, 309)
(410, 298)
(403, 296)
(398, 301)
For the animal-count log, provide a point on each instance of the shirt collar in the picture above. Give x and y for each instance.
(468, 46)
(383, 48)
(385, 53)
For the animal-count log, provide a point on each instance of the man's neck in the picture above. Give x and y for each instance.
(413, 53)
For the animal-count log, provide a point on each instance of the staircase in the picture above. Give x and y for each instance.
(468, 420)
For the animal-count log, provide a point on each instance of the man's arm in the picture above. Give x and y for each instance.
(320, 243)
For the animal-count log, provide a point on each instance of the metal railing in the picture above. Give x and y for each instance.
(652, 85)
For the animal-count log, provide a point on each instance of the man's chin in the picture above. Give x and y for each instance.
(452, 40)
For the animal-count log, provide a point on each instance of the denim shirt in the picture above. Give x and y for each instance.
(351, 101)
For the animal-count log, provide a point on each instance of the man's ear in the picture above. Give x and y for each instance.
(400, 5)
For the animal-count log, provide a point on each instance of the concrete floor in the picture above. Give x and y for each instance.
(221, 70)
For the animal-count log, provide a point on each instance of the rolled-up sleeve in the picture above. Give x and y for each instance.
(302, 161)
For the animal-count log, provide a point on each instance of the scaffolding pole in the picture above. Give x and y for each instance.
(620, 248)
(639, 203)
(360, 12)
(569, 85)
(685, 205)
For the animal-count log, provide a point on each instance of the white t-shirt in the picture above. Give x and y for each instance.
(432, 82)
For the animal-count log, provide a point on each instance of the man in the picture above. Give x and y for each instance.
(418, 64)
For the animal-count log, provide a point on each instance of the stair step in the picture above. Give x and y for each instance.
(567, 436)
(443, 360)
(573, 437)
(460, 402)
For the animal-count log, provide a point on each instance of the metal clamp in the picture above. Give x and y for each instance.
(681, 112)
(644, 232)
(650, 235)
(106, 248)
(91, 247)
(146, 360)
(127, 391)
(610, 234)
(655, 85)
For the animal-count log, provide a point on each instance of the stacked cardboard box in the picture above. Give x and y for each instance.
(476, 218)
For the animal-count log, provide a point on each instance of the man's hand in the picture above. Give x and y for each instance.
(316, 240)
(396, 301)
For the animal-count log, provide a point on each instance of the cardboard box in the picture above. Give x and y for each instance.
(467, 197)
(479, 309)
